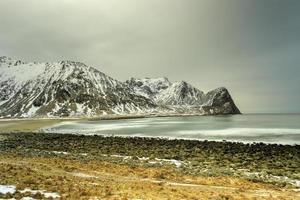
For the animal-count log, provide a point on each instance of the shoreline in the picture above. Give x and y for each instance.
(142, 146)
(113, 117)
(44, 125)
(172, 138)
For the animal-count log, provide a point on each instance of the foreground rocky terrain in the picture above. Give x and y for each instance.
(97, 167)
(67, 88)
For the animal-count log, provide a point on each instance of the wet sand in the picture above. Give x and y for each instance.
(27, 125)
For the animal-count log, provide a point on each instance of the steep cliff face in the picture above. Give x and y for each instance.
(70, 88)
(219, 101)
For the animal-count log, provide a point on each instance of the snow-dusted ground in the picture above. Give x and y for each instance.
(43, 192)
(83, 175)
(5, 189)
(27, 198)
(271, 178)
(177, 163)
(180, 163)
(60, 152)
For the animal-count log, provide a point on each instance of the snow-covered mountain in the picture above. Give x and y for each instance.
(163, 92)
(67, 88)
(63, 89)
(183, 97)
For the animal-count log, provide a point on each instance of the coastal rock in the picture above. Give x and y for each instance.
(219, 101)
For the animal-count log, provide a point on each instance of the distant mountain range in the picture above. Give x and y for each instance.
(67, 88)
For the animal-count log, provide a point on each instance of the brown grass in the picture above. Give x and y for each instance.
(75, 179)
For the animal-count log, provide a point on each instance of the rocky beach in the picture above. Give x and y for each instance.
(86, 166)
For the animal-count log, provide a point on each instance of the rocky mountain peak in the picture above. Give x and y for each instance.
(181, 85)
(68, 63)
(69, 88)
(5, 58)
(65, 88)
(10, 61)
(148, 87)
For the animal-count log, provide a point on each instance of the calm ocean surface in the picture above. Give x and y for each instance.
(269, 128)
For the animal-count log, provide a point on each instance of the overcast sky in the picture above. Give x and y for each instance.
(252, 47)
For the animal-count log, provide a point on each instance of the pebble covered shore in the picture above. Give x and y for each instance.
(258, 162)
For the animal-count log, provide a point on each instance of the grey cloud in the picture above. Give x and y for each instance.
(249, 46)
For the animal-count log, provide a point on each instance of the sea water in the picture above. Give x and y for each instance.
(268, 128)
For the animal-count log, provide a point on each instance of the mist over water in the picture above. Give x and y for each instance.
(268, 128)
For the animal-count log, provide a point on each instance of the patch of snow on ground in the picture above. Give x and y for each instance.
(297, 183)
(83, 175)
(270, 177)
(60, 152)
(120, 156)
(177, 163)
(51, 195)
(5, 189)
(43, 192)
(27, 198)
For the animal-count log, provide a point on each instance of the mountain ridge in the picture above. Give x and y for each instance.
(69, 88)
